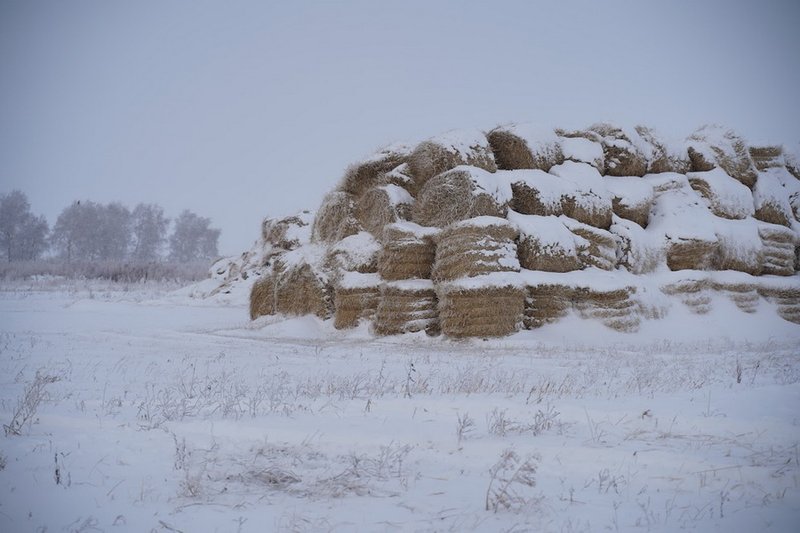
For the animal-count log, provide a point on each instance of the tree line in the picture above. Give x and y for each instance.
(87, 232)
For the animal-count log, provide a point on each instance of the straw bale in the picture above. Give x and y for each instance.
(744, 295)
(262, 296)
(527, 199)
(336, 218)
(637, 251)
(691, 254)
(583, 148)
(545, 244)
(588, 208)
(712, 146)
(727, 197)
(772, 200)
(440, 154)
(476, 246)
(525, 146)
(615, 308)
(791, 160)
(765, 157)
(787, 300)
(356, 253)
(740, 247)
(355, 297)
(662, 157)
(364, 175)
(406, 307)
(596, 247)
(546, 303)
(289, 232)
(459, 194)
(302, 289)
(406, 259)
(695, 294)
(779, 249)
(622, 156)
(488, 311)
(382, 205)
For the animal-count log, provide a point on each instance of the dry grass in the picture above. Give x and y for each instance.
(452, 197)
(620, 160)
(406, 309)
(262, 296)
(512, 152)
(301, 290)
(484, 312)
(734, 158)
(465, 250)
(779, 249)
(335, 219)
(374, 210)
(353, 304)
(691, 254)
(774, 214)
(430, 159)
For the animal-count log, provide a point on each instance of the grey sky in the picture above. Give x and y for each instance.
(238, 110)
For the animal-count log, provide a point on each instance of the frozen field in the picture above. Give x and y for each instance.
(137, 409)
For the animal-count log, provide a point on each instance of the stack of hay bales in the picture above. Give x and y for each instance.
(408, 251)
(713, 146)
(614, 307)
(739, 246)
(626, 153)
(444, 152)
(694, 293)
(336, 218)
(490, 305)
(545, 303)
(595, 247)
(459, 194)
(356, 253)
(368, 173)
(687, 227)
(779, 249)
(407, 306)
(302, 286)
(382, 205)
(663, 156)
(631, 198)
(765, 157)
(356, 297)
(525, 146)
(727, 197)
(545, 243)
(772, 199)
(475, 246)
(787, 298)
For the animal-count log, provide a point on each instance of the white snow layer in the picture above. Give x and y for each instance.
(463, 142)
(728, 195)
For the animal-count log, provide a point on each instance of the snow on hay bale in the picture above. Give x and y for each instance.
(355, 297)
(740, 246)
(461, 193)
(582, 150)
(525, 146)
(363, 175)
(289, 232)
(626, 153)
(595, 247)
(686, 227)
(637, 251)
(631, 198)
(447, 151)
(714, 146)
(356, 253)
(490, 305)
(302, 287)
(694, 292)
(728, 197)
(546, 303)
(664, 156)
(786, 297)
(408, 251)
(382, 205)
(779, 249)
(615, 308)
(791, 160)
(336, 218)
(475, 246)
(765, 157)
(545, 243)
(772, 199)
(407, 306)
(742, 292)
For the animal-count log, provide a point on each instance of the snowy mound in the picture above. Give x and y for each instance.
(473, 234)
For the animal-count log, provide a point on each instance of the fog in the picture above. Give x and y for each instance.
(239, 110)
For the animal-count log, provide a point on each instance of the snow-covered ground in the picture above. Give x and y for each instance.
(140, 409)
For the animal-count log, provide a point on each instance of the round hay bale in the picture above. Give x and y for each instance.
(262, 296)
(544, 244)
(546, 303)
(779, 249)
(740, 247)
(459, 194)
(714, 146)
(771, 200)
(595, 247)
(382, 205)
(406, 307)
(537, 193)
(335, 219)
(487, 306)
(663, 156)
(366, 174)
(355, 297)
(288, 233)
(408, 252)
(520, 146)
(449, 150)
(623, 156)
(356, 253)
(475, 246)
(727, 197)
(583, 148)
(631, 198)
(765, 157)
(301, 287)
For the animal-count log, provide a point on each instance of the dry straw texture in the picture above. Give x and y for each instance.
(622, 157)
(353, 254)
(335, 219)
(787, 300)
(353, 304)
(765, 157)
(583, 206)
(744, 295)
(779, 249)
(720, 206)
(471, 248)
(512, 152)
(362, 176)
(732, 255)
(406, 307)
(301, 290)
(695, 294)
(546, 303)
(279, 233)
(537, 255)
(262, 296)
(712, 146)
(691, 254)
(596, 248)
(616, 309)
(405, 255)
(430, 158)
(662, 159)
(376, 208)
(639, 213)
(451, 197)
(480, 312)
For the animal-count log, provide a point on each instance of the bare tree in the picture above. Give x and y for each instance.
(23, 236)
(192, 239)
(149, 232)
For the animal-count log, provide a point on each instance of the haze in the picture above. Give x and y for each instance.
(240, 110)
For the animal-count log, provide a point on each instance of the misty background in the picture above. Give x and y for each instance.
(240, 110)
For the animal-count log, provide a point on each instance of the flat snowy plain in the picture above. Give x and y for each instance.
(156, 411)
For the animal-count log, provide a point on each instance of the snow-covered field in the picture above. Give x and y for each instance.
(139, 409)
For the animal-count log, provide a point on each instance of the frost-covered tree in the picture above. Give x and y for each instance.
(114, 233)
(149, 232)
(90, 231)
(23, 236)
(192, 239)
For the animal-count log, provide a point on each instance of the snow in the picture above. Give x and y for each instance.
(484, 221)
(410, 284)
(540, 139)
(642, 251)
(357, 280)
(667, 181)
(630, 191)
(769, 190)
(549, 231)
(415, 229)
(167, 413)
(549, 187)
(484, 281)
(358, 249)
(582, 150)
(463, 142)
(681, 214)
(492, 183)
(397, 195)
(729, 195)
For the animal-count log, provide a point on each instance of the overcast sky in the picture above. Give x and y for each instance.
(238, 110)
